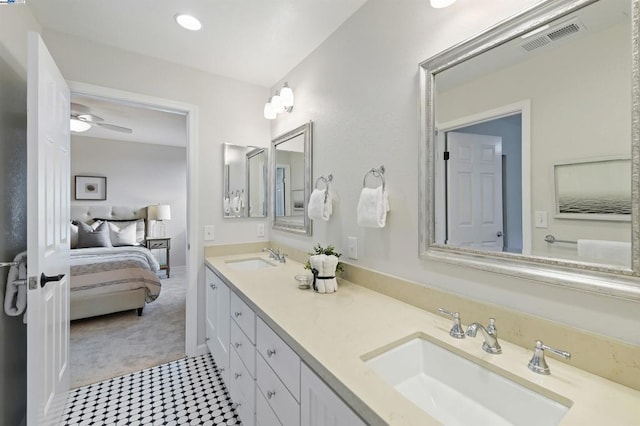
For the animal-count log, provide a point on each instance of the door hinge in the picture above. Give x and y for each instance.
(33, 283)
(446, 156)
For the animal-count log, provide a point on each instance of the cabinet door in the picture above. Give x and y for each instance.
(218, 322)
(319, 406)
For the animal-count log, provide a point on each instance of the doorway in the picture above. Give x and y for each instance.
(189, 272)
(503, 199)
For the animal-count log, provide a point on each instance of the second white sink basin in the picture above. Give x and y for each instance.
(457, 391)
(249, 264)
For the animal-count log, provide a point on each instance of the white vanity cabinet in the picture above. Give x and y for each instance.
(319, 406)
(218, 321)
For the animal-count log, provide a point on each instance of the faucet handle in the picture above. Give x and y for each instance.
(456, 329)
(538, 364)
(283, 257)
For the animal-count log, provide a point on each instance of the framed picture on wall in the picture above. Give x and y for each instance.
(594, 189)
(91, 187)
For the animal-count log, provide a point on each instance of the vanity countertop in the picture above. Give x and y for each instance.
(332, 332)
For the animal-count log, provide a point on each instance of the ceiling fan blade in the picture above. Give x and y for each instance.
(90, 118)
(113, 127)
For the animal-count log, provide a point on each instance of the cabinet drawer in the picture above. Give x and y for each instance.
(160, 244)
(264, 414)
(284, 405)
(244, 316)
(242, 390)
(244, 348)
(282, 359)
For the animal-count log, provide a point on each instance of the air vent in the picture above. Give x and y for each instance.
(554, 34)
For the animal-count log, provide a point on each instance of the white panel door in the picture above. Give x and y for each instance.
(48, 201)
(474, 195)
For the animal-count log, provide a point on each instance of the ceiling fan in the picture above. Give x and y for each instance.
(82, 119)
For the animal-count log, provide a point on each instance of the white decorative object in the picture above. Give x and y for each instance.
(156, 214)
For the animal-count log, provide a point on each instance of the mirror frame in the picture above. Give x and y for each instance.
(307, 131)
(612, 281)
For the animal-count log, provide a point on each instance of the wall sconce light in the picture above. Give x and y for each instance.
(439, 4)
(280, 102)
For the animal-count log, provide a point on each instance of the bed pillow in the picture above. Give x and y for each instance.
(74, 235)
(140, 227)
(88, 237)
(122, 233)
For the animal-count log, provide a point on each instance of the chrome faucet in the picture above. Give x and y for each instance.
(538, 364)
(490, 335)
(456, 329)
(275, 254)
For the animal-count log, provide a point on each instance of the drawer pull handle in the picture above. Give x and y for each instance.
(237, 344)
(271, 352)
(270, 394)
(236, 405)
(213, 286)
(237, 314)
(237, 375)
(206, 339)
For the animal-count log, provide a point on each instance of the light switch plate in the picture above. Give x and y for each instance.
(260, 230)
(541, 220)
(208, 233)
(352, 247)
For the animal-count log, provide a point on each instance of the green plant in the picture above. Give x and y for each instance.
(329, 250)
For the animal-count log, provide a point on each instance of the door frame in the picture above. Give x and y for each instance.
(524, 109)
(194, 245)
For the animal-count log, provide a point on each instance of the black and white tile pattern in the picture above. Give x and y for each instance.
(184, 392)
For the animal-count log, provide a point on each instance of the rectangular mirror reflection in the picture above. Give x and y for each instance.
(291, 169)
(245, 181)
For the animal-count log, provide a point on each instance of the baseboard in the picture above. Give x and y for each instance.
(200, 350)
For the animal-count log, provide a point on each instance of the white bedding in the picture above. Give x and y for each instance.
(102, 270)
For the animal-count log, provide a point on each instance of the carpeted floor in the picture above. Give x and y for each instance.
(113, 345)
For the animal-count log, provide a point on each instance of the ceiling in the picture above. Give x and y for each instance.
(236, 34)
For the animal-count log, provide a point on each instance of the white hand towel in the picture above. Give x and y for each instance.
(373, 207)
(317, 263)
(320, 207)
(15, 299)
(227, 205)
(615, 252)
(233, 205)
(329, 270)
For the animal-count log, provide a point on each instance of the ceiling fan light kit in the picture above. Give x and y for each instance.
(82, 120)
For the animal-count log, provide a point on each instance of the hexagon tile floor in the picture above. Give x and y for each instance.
(183, 392)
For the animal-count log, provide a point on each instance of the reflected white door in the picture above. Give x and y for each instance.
(48, 201)
(474, 199)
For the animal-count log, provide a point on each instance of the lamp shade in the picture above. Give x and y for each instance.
(276, 103)
(269, 113)
(286, 96)
(159, 212)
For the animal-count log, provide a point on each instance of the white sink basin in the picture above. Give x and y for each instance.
(457, 391)
(249, 264)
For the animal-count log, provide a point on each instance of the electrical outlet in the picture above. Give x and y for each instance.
(260, 230)
(208, 233)
(541, 220)
(352, 247)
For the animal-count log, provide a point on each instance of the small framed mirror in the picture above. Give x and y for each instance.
(531, 145)
(291, 180)
(244, 181)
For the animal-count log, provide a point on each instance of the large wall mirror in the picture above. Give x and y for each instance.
(245, 181)
(291, 180)
(530, 152)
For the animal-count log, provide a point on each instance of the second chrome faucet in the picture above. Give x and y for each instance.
(490, 335)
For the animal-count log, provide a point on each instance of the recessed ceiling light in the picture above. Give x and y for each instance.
(189, 22)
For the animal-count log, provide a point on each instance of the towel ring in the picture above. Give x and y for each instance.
(379, 173)
(325, 180)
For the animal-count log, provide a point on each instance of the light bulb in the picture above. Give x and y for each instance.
(438, 4)
(188, 22)
(269, 113)
(276, 103)
(286, 96)
(79, 125)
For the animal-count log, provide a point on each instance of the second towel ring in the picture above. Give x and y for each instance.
(325, 180)
(379, 173)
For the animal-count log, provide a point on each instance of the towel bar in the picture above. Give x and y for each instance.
(551, 239)
(7, 264)
(379, 173)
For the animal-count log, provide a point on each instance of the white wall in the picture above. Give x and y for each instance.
(138, 174)
(361, 89)
(229, 111)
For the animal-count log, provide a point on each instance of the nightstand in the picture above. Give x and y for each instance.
(161, 244)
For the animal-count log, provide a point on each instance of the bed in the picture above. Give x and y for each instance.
(123, 276)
